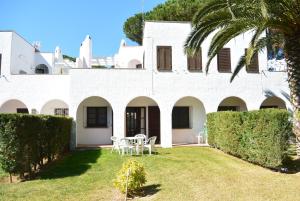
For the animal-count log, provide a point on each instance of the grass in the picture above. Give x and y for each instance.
(185, 173)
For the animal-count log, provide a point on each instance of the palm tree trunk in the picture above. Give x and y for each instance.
(292, 50)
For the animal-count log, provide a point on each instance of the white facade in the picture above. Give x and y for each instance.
(135, 82)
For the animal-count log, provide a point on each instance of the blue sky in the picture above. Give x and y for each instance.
(67, 22)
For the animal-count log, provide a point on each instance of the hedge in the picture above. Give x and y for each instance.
(260, 137)
(28, 141)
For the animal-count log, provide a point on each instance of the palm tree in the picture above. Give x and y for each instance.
(227, 19)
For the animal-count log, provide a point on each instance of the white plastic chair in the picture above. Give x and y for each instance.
(150, 145)
(141, 139)
(126, 146)
(116, 144)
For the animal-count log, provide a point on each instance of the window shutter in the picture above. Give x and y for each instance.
(254, 64)
(168, 58)
(195, 62)
(158, 58)
(224, 60)
(191, 63)
(164, 58)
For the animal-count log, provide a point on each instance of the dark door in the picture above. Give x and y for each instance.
(154, 123)
(135, 121)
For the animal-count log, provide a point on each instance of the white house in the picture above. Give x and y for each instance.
(153, 89)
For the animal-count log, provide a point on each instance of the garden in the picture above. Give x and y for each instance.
(47, 171)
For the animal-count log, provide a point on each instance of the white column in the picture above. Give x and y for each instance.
(119, 122)
(166, 128)
(73, 140)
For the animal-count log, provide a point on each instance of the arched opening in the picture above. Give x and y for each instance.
(232, 104)
(188, 121)
(14, 106)
(94, 122)
(55, 107)
(142, 116)
(134, 63)
(41, 69)
(273, 102)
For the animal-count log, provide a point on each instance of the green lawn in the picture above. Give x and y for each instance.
(185, 173)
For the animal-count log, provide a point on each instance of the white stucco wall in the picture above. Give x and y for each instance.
(129, 56)
(44, 58)
(5, 50)
(22, 55)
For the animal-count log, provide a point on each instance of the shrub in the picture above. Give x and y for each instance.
(260, 137)
(27, 140)
(136, 178)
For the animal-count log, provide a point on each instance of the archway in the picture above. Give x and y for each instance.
(273, 102)
(232, 104)
(94, 122)
(14, 106)
(55, 107)
(142, 116)
(188, 121)
(134, 63)
(41, 69)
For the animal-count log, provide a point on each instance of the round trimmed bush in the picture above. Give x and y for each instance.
(134, 173)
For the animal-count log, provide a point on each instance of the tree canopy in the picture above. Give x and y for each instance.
(171, 10)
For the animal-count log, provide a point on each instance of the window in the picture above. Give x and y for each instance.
(254, 65)
(61, 111)
(0, 62)
(164, 58)
(181, 117)
(195, 62)
(22, 111)
(96, 117)
(224, 61)
(228, 108)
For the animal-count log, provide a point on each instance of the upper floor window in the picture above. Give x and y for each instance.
(164, 58)
(0, 62)
(195, 62)
(254, 65)
(224, 60)
(41, 69)
(96, 117)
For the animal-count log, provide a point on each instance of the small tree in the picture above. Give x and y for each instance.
(132, 175)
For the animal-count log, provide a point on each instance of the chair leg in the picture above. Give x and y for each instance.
(150, 150)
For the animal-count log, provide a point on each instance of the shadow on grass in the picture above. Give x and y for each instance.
(74, 164)
(151, 189)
